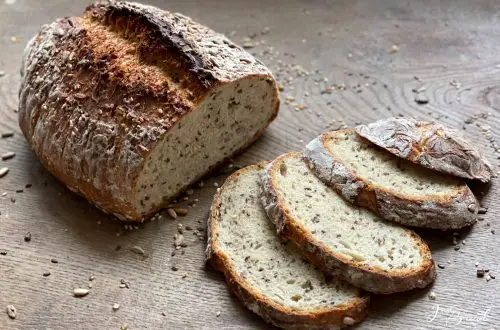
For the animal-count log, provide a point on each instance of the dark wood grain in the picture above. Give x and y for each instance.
(346, 42)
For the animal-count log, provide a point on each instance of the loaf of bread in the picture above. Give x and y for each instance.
(129, 104)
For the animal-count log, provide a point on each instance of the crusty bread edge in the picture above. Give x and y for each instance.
(370, 278)
(269, 310)
(444, 213)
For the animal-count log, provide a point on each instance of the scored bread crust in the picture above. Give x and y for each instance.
(429, 144)
(437, 212)
(270, 311)
(370, 278)
(93, 112)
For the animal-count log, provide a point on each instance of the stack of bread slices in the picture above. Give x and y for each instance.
(303, 239)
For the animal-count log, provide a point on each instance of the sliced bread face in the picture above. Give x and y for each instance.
(267, 275)
(394, 188)
(377, 256)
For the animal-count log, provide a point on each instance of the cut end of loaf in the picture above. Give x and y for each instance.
(226, 121)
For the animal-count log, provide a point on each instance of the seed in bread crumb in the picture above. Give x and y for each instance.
(432, 295)
(348, 320)
(471, 207)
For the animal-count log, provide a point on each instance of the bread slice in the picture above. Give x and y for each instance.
(268, 276)
(377, 256)
(429, 144)
(129, 104)
(394, 188)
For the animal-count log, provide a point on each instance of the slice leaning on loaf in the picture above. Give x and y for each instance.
(394, 188)
(130, 104)
(267, 275)
(429, 144)
(377, 256)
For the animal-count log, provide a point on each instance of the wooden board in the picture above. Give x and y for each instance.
(450, 48)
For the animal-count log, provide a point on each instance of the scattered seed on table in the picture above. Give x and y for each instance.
(2, 73)
(172, 213)
(487, 277)
(11, 311)
(421, 99)
(8, 155)
(432, 295)
(91, 277)
(90, 285)
(116, 306)
(441, 266)
(47, 273)
(28, 185)
(54, 261)
(18, 191)
(174, 268)
(7, 135)
(80, 292)
(218, 313)
(3, 252)
(137, 249)
(163, 314)
(482, 210)
(480, 273)
(3, 171)
(27, 237)
(181, 211)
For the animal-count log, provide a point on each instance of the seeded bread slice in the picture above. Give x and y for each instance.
(429, 144)
(377, 256)
(267, 275)
(394, 188)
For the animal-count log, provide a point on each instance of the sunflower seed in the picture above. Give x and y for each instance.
(137, 249)
(8, 155)
(3, 171)
(172, 213)
(11, 311)
(80, 292)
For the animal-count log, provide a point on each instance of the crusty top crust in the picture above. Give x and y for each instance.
(429, 144)
(99, 91)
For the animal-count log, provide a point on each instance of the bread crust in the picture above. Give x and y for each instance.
(93, 112)
(370, 278)
(270, 311)
(437, 212)
(429, 144)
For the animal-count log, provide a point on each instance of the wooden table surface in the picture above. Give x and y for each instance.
(379, 50)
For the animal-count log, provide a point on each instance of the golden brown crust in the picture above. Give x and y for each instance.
(269, 310)
(99, 91)
(369, 278)
(450, 211)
